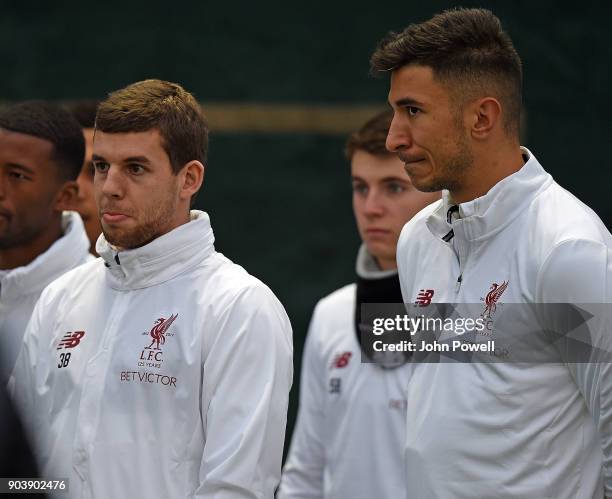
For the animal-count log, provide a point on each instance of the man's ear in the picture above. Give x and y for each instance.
(66, 198)
(191, 178)
(485, 116)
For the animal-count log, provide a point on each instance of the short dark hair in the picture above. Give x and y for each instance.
(84, 111)
(50, 122)
(467, 49)
(371, 137)
(161, 105)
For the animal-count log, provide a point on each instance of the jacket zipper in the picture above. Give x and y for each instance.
(456, 248)
(461, 258)
(458, 285)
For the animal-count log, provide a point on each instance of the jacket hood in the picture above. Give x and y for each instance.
(491, 213)
(162, 259)
(68, 251)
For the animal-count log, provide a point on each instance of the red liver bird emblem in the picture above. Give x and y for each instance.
(491, 299)
(158, 331)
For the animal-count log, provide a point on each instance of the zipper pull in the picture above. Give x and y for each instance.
(459, 281)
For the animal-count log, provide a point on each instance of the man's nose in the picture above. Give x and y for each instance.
(112, 183)
(373, 203)
(399, 136)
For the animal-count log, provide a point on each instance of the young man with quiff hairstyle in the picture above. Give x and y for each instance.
(349, 436)
(507, 425)
(166, 369)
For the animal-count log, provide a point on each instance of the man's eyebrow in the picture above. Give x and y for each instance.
(395, 179)
(137, 159)
(407, 101)
(131, 159)
(21, 167)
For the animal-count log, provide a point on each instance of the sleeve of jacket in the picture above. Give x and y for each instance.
(580, 272)
(303, 472)
(22, 384)
(247, 375)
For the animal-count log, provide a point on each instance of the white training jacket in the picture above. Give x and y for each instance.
(510, 430)
(21, 287)
(158, 372)
(350, 429)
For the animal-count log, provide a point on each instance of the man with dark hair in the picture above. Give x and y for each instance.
(348, 440)
(166, 369)
(85, 113)
(518, 422)
(41, 151)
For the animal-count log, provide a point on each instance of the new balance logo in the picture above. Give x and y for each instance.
(424, 297)
(70, 339)
(341, 360)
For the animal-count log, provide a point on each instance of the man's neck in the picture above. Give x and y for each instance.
(19, 256)
(386, 263)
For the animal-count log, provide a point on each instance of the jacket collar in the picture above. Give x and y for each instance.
(491, 213)
(162, 259)
(367, 268)
(64, 254)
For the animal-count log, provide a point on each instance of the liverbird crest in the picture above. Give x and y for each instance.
(158, 331)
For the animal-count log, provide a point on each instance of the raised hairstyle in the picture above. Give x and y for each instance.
(161, 105)
(371, 137)
(52, 123)
(469, 53)
(84, 111)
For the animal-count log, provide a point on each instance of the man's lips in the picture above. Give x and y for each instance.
(376, 231)
(114, 216)
(408, 158)
(410, 161)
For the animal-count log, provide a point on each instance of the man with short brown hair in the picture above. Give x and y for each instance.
(165, 370)
(349, 436)
(514, 422)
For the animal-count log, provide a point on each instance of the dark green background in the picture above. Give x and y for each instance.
(280, 204)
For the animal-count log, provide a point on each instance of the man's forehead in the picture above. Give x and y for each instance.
(376, 167)
(127, 143)
(21, 144)
(414, 83)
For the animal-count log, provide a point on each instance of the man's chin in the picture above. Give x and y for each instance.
(118, 238)
(123, 239)
(380, 250)
(426, 184)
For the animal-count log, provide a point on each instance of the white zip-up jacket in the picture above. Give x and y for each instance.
(350, 429)
(159, 372)
(20, 288)
(510, 429)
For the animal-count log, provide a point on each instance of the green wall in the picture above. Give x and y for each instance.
(280, 204)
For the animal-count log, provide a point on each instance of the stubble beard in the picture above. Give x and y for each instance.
(454, 168)
(155, 221)
(15, 237)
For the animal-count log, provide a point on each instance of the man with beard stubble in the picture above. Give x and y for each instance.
(519, 422)
(41, 152)
(162, 369)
